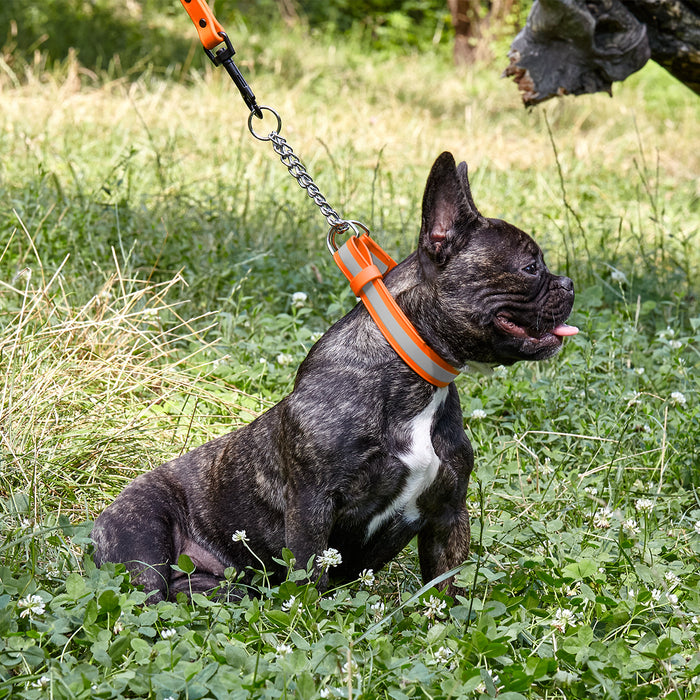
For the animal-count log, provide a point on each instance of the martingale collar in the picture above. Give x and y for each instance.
(364, 263)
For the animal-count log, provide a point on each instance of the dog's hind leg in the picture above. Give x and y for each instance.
(141, 530)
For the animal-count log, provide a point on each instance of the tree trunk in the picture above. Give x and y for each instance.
(466, 23)
(472, 21)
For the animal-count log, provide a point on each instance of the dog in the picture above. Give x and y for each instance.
(363, 454)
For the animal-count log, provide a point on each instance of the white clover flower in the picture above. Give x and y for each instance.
(350, 668)
(377, 609)
(299, 299)
(31, 605)
(672, 598)
(284, 358)
(672, 580)
(442, 655)
(434, 607)
(478, 414)
(282, 649)
(644, 505)
(678, 399)
(366, 577)
(696, 527)
(546, 467)
(591, 490)
(168, 633)
(618, 276)
(601, 519)
(41, 682)
(239, 536)
(656, 594)
(330, 557)
(675, 344)
(563, 618)
(571, 591)
(287, 604)
(630, 527)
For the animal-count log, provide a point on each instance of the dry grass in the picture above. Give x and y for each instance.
(408, 108)
(94, 394)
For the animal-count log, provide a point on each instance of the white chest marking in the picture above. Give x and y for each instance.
(422, 463)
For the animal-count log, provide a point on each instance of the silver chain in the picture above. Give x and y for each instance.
(298, 172)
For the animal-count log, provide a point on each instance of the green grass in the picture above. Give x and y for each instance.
(150, 250)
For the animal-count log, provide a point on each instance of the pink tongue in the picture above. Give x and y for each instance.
(565, 330)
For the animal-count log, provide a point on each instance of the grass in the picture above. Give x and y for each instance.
(150, 251)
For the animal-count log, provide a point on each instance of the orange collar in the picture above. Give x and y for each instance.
(364, 263)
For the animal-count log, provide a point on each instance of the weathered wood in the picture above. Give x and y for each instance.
(577, 46)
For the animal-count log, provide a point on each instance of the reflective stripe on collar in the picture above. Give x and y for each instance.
(364, 263)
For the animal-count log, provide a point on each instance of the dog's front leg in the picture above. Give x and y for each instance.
(443, 544)
(307, 525)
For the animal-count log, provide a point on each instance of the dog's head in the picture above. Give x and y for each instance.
(492, 297)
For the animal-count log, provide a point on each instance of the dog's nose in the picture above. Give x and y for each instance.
(566, 283)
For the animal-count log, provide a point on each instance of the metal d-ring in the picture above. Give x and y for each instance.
(274, 131)
(342, 227)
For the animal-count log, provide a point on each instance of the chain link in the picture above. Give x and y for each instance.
(298, 172)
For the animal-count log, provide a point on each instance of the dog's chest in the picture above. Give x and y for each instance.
(421, 462)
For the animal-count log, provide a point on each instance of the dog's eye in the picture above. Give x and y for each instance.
(530, 269)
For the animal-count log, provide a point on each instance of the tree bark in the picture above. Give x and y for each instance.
(583, 46)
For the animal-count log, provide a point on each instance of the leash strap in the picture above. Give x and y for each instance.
(208, 28)
(364, 263)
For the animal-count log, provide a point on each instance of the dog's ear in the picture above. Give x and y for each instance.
(449, 213)
(462, 172)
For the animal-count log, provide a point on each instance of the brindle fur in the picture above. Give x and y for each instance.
(313, 471)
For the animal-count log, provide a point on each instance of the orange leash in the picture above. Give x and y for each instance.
(205, 23)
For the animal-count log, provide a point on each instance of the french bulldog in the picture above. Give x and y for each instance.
(363, 454)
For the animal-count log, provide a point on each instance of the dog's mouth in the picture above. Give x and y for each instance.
(536, 336)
